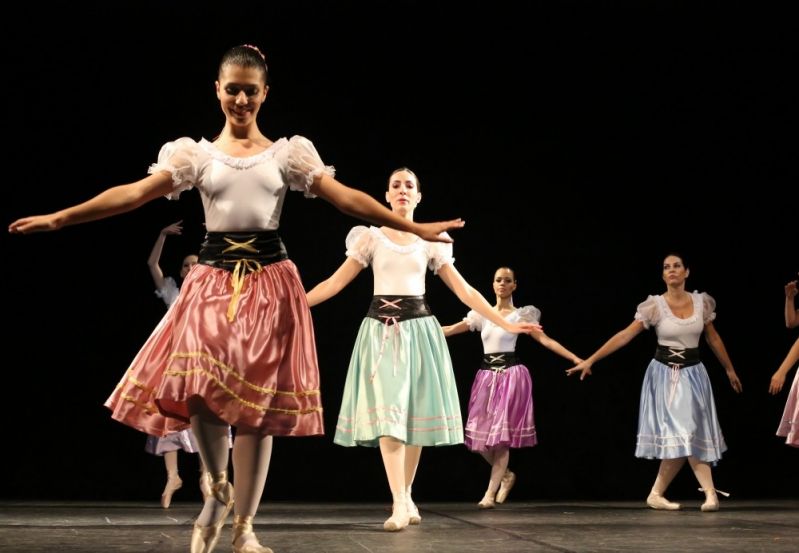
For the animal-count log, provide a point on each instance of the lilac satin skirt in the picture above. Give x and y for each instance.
(258, 371)
(501, 410)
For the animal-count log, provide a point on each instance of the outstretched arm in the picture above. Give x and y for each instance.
(791, 359)
(616, 342)
(113, 201)
(715, 343)
(457, 328)
(155, 254)
(363, 206)
(474, 299)
(335, 283)
(554, 345)
(791, 313)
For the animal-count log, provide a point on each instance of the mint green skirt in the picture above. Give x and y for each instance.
(400, 384)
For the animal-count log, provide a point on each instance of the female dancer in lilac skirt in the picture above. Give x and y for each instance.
(677, 415)
(501, 403)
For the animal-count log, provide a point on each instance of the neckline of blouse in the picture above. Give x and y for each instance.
(241, 162)
(671, 313)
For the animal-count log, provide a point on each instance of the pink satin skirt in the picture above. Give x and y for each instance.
(257, 372)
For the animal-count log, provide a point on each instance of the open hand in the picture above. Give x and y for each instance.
(174, 228)
(777, 382)
(35, 223)
(433, 232)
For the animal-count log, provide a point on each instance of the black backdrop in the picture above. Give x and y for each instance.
(580, 143)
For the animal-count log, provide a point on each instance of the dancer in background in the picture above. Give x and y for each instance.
(677, 416)
(400, 393)
(237, 346)
(501, 402)
(168, 446)
(789, 424)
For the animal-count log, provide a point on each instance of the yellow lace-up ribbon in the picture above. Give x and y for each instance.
(242, 268)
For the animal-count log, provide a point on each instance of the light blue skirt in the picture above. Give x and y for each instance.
(677, 415)
(400, 384)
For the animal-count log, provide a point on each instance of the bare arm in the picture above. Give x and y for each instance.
(791, 313)
(335, 283)
(778, 379)
(155, 254)
(616, 342)
(475, 300)
(554, 345)
(457, 328)
(715, 343)
(363, 206)
(113, 201)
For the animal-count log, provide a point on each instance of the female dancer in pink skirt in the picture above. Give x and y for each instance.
(237, 346)
(501, 403)
(789, 424)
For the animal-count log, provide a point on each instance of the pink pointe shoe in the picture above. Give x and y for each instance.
(505, 486)
(173, 483)
(658, 502)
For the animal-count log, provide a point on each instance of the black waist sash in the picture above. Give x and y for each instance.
(227, 250)
(393, 309)
(677, 357)
(499, 361)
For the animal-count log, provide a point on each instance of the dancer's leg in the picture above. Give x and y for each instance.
(704, 476)
(251, 455)
(212, 439)
(412, 455)
(173, 481)
(393, 453)
(666, 472)
(499, 465)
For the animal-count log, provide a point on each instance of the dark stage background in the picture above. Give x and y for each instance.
(580, 142)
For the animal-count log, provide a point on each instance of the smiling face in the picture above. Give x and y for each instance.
(241, 91)
(504, 282)
(403, 192)
(675, 272)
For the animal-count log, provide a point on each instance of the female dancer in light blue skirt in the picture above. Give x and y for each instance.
(677, 415)
(400, 393)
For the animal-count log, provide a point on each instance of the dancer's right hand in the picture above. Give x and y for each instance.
(35, 223)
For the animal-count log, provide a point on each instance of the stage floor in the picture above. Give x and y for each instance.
(740, 526)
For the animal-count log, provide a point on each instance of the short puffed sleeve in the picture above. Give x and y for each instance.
(648, 312)
(474, 320)
(302, 163)
(708, 308)
(439, 254)
(529, 314)
(360, 244)
(185, 159)
(169, 291)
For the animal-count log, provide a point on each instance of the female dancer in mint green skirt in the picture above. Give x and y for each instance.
(400, 393)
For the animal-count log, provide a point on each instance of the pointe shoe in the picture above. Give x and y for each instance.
(488, 502)
(242, 528)
(205, 485)
(204, 538)
(657, 501)
(711, 503)
(505, 486)
(413, 512)
(399, 518)
(173, 483)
